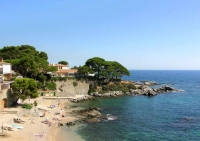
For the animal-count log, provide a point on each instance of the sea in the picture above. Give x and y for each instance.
(173, 116)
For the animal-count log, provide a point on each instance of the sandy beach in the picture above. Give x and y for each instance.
(33, 127)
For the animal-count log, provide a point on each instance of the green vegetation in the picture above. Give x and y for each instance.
(63, 62)
(51, 85)
(34, 67)
(92, 89)
(35, 103)
(75, 83)
(27, 106)
(61, 78)
(106, 69)
(125, 87)
(27, 61)
(111, 86)
(24, 88)
(40, 85)
(83, 70)
(75, 67)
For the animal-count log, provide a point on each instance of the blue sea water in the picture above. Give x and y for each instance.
(160, 118)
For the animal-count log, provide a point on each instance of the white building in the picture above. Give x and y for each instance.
(5, 80)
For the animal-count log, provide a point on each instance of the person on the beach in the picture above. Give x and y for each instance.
(49, 123)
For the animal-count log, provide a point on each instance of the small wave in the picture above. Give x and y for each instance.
(110, 117)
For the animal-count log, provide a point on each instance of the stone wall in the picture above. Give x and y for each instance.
(67, 88)
(10, 99)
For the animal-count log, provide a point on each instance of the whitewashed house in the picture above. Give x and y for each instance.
(5, 80)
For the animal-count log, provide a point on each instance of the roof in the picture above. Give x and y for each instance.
(2, 63)
(58, 65)
(68, 71)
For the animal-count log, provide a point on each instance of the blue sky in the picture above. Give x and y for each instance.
(139, 34)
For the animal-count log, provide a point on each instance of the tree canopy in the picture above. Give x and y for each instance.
(63, 62)
(24, 88)
(26, 60)
(83, 70)
(106, 69)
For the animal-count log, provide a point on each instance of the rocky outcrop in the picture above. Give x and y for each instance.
(70, 123)
(83, 98)
(144, 88)
(165, 88)
(150, 83)
(141, 90)
(108, 94)
(90, 115)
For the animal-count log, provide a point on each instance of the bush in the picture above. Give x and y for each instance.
(35, 103)
(62, 78)
(27, 106)
(51, 85)
(40, 85)
(117, 86)
(54, 78)
(91, 90)
(75, 83)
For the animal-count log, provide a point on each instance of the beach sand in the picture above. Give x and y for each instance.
(33, 128)
(68, 134)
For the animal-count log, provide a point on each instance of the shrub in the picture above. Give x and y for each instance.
(40, 85)
(51, 85)
(54, 78)
(75, 83)
(27, 106)
(35, 103)
(62, 78)
(91, 90)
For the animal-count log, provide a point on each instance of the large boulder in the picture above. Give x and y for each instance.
(150, 83)
(165, 89)
(93, 114)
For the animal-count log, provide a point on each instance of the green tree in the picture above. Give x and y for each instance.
(42, 78)
(51, 85)
(63, 62)
(43, 55)
(28, 66)
(24, 88)
(75, 67)
(118, 70)
(96, 64)
(106, 69)
(26, 60)
(83, 70)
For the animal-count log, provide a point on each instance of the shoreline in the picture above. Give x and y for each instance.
(33, 128)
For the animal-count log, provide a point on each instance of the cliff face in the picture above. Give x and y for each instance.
(67, 88)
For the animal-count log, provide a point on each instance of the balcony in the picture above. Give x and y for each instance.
(6, 79)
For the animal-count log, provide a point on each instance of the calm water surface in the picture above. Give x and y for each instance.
(159, 118)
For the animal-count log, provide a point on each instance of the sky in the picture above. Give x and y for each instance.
(139, 34)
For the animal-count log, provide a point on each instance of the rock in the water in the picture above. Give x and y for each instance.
(94, 114)
(70, 123)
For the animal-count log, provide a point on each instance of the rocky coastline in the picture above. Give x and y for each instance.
(93, 114)
(142, 88)
(90, 115)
